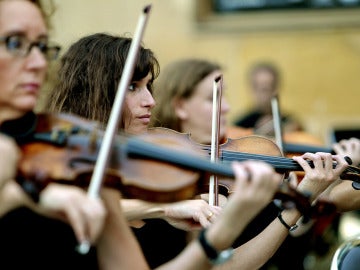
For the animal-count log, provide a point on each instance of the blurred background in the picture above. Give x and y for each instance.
(316, 49)
(315, 44)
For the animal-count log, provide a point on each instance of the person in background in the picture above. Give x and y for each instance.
(183, 93)
(264, 81)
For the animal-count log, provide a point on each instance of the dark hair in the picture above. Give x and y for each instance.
(90, 72)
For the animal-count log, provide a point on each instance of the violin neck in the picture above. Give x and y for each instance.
(283, 165)
(136, 148)
(280, 164)
(302, 148)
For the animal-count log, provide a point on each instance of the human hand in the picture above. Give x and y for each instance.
(350, 148)
(72, 205)
(256, 183)
(323, 173)
(191, 214)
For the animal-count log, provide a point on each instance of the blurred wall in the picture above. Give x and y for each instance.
(320, 67)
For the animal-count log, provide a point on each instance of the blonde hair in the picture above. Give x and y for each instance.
(177, 81)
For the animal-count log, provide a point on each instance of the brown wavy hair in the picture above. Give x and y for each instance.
(90, 72)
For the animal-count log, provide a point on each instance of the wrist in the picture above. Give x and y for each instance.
(289, 226)
(311, 188)
(214, 255)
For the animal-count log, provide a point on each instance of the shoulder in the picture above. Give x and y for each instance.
(248, 120)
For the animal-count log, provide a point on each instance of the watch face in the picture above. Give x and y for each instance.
(224, 256)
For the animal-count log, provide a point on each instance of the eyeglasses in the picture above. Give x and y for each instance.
(20, 46)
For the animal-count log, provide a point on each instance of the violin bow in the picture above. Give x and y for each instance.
(106, 145)
(275, 108)
(214, 157)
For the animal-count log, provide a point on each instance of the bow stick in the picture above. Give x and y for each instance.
(213, 181)
(277, 122)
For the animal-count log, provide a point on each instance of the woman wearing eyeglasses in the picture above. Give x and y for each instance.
(45, 234)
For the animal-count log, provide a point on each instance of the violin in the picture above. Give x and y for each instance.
(63, 148)
(288, 196)
(264, 149)
(257, 147)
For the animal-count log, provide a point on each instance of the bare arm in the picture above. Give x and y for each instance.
(257, 251)
(248, 199)
(344, 196)
(186, 215)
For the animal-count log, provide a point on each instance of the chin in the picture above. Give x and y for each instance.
(136, 130)
(26, 106)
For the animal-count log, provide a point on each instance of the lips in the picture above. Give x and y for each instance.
(31, 87)
(145, 118)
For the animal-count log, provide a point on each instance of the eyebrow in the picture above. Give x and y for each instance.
(22, 33)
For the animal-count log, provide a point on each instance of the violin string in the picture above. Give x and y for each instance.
(232, 155)
(276, 161)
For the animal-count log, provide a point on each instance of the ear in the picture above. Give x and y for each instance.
(179, 109)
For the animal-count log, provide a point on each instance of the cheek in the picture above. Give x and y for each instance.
(127, 105)
(125, 114)
(201, 116)
(8, 78)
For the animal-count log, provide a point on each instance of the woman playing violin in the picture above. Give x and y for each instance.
(72, 217)
(183, 93)
(87, 88)
(108, 53)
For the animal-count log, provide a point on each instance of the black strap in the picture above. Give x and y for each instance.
(210, 251)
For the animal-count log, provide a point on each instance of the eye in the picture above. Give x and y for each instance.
(132, 87)
(150, 87)
(15, 43)
(43, 46)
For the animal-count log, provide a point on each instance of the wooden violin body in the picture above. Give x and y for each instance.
(63, 148)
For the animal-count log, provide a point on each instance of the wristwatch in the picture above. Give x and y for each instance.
(213, 255)
(287, 226)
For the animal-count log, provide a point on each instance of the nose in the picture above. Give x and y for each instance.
(148, 99)
(36, 60)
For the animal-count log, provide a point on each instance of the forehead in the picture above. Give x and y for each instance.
(22, 16)
(263, 72)
(209, 79)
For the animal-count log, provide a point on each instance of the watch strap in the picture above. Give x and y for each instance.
(212, 254)
(290, 228)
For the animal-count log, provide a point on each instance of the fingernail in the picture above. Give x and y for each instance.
(348, 160)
